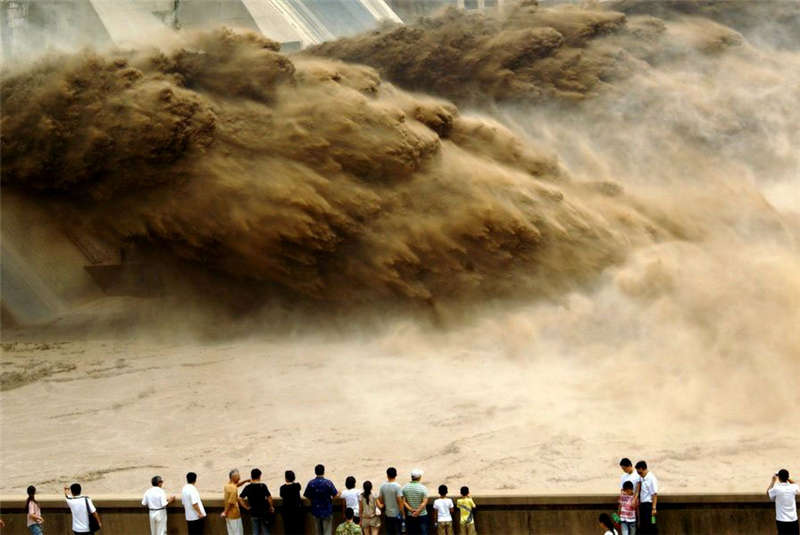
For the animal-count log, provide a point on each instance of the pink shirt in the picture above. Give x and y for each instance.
(33, 509)
(627, 512)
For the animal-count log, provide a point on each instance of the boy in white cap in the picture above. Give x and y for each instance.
(415, 500)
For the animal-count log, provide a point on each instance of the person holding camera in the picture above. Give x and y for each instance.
(783, 491)
(84, 514)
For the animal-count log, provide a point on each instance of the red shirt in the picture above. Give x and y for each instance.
(627, 512)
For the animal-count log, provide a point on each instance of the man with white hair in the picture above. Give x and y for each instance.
(415, 501)
(156, 501)
(230, 498)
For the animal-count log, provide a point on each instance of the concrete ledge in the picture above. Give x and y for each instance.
(717, 514)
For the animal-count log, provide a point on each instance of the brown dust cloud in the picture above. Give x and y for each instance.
(576, 227)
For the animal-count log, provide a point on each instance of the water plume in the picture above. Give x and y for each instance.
(306, 175)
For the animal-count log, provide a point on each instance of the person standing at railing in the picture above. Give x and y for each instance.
(783, 491)
(81, 508)
(628, 473)
(33, 512)
(258, 501)
(321, 492)
(292, 510)
(193, 506)
(648, 499)
(415, 498)
(156, 501)
(390, 499)
(626, 509)
(368, 511)
(350, 498)
(466, 507)
(230, 497)
(443, 512)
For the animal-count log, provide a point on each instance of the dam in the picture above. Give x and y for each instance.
(507, 247)
(28, 25)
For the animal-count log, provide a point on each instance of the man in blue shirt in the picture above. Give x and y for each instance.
(321, 492)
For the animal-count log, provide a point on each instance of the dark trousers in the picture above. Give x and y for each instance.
(293, 523)
(259, 525)
(393, 525)
(417, 525)
(196, 527)
(645, 524)
(323, 525)
(788, 528)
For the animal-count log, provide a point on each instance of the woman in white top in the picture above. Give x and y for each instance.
(34, 512)
(607, 525)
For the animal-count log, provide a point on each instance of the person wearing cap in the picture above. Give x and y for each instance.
(415, 500)
(156, 501)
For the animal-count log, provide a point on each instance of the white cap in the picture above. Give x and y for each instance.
(416, 473)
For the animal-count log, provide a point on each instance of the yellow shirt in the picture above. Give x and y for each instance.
(231, 500)
(466, 505)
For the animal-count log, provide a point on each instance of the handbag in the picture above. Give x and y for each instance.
(94, 526)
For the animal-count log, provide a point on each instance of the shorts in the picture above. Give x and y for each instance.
(468, 529)
(372, 522)
(444, 528)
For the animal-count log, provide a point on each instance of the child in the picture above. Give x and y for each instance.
(467, 508)
(350, 497)
(442, 513)
(627, 509)
(607, 524)
(348, 527)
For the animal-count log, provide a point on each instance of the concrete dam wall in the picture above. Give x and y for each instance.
(718, 514)
(29, 26)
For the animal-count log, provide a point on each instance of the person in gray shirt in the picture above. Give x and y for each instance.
(390, 499)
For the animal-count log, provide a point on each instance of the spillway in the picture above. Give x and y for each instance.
(30, 26)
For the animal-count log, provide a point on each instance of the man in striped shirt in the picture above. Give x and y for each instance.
(415, 500)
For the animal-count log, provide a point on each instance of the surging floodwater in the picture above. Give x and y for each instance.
(594, 253)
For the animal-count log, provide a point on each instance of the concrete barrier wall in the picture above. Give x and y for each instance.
(722, 514)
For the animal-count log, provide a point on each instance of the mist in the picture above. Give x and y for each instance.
(577, 227)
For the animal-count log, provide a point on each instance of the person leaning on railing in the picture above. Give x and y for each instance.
(156, 501)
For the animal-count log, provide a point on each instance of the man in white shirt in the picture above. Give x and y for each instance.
(193, 506)
(80, 507)
(648, 499)
(629, 474)
(783, 491)
(156, 501)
